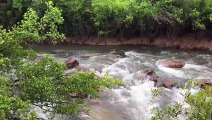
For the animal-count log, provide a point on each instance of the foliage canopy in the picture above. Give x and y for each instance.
(25, 81)
(114, 18)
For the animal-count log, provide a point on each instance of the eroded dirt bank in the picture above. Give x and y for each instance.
(190, 43)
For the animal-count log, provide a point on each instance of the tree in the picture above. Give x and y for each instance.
(25, 82)
(115, 18)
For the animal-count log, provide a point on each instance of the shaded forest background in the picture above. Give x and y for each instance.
(120, 18)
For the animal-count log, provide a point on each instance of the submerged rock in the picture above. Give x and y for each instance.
(171, 63)
(72, 63)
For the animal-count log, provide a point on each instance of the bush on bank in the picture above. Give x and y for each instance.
(25, 82)
(119, 18)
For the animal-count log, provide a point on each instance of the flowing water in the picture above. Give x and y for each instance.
(134, 100)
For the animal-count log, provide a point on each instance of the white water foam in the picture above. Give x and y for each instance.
(174, 72)
(136, 98)
(194, 67)
(189, 71)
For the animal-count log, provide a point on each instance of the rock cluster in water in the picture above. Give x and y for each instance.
(159, 81)
(72, 63)
(204, 82)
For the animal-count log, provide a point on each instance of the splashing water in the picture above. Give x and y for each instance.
(134, 100)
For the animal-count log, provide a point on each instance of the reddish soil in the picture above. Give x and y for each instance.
(189, 43)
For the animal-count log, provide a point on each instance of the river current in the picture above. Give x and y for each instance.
(134, 101)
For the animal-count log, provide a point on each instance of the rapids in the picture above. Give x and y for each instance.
(134, 101)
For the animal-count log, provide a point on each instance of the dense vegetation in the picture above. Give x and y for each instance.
(200, 106)
(27, 82)
(119, 18)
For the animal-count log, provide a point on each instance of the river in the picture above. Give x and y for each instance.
(133, 101)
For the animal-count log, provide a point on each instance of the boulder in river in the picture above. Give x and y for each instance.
(149, 72)
(72, 63)
(204, 82)
(152, 75)
(165, 83)
(119, 54)
(171, 63)
(159, 81)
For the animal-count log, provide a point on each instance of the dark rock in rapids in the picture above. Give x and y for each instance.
(159, 81)
(72, 63)
(119, 54)
(166, 83)
(204, 82)
(171, 63)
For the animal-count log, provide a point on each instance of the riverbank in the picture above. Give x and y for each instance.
(187, 43)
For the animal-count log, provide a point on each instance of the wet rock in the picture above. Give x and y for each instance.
(152, 75)
(72, 63)
(155, 78)
(159, 81)
(204, 82)
(140, 76)
(171, 63)
(165, 83)
(150, 72)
